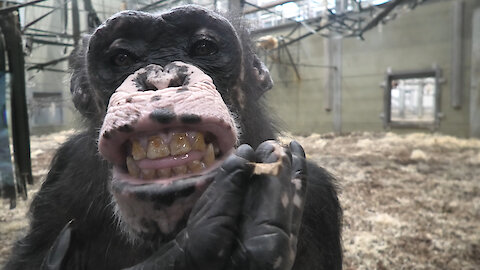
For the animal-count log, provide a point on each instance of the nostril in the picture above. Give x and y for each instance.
(142, 83)
(145, 86)
(178, 80)
(154, 77)
(150, 86)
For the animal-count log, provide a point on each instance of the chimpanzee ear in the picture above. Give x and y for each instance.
(262, 76)
(84, 98)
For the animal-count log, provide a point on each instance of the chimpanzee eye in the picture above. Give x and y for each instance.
(123, 59)
(204, 47)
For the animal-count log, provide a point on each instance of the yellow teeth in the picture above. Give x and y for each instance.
(196, 166)
(133, 169)
(148, 173)
(164, 173)
(209, 157)
(137, 151)
(179, 144)
(180, 170)
(157, 148)
(199, 142)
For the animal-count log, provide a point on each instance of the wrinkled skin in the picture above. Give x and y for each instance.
(95, 212)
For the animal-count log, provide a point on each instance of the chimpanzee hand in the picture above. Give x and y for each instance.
(243, 221)
(272, 211)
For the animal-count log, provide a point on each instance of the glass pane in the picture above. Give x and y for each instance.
(47, 109)
(413, 100)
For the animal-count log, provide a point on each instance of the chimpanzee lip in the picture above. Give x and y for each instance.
(116, 150)
(165, 204)
(113, 147)
(120, 174)
(124, 184)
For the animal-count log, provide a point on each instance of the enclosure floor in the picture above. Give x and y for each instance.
(410, 201)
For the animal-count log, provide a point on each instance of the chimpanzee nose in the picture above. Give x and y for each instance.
(155, 77)
(179, 74)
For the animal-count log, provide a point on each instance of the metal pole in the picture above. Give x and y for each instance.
(337, 48)
(401, 102)
(10, 26)
(475, 75)
(328, 61)
(235, 6)
(420, 88)
(75, 23)
(7, 182)
(456, 92)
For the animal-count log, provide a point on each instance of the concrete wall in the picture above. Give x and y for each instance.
(413, 41)
(39, 81)
(475, 77)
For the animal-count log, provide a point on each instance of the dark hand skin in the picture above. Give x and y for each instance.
(273, 210)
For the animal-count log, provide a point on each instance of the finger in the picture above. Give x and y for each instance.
(56, 255)
(270, 151)
(299, 168)
(245, 151)
(268, 195)
(264, 241)
(225, 194)
(212, 226)
(299, 187)
(296, 149)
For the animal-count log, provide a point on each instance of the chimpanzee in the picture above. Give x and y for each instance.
(178, 167)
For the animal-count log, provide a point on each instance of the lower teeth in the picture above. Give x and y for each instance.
(179, 170)
(148, 173)
(164, 173)
(194, 166)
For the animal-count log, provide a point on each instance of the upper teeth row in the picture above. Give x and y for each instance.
(180, 143)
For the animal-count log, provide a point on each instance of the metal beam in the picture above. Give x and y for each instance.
(49, 63)
(92, 18)
(390, 6)
(456, 90)
(54, 70)
(47, 35)
(292, 63)
(53, 34)
(255, 8)
(37, 20)
(75, 23)
(235, 6)
(7, 182)
(49, 42)
(475, 77)
(15, 7)
(152, 5)
(337, 53)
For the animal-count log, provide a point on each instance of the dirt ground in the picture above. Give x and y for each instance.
(410, 201)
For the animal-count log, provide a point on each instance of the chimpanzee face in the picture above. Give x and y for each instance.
(131, 40)
(173, 84)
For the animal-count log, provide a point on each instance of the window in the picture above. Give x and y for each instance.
(46, 109)
(412, 99)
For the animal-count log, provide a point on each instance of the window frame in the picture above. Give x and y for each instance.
(415, 74)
